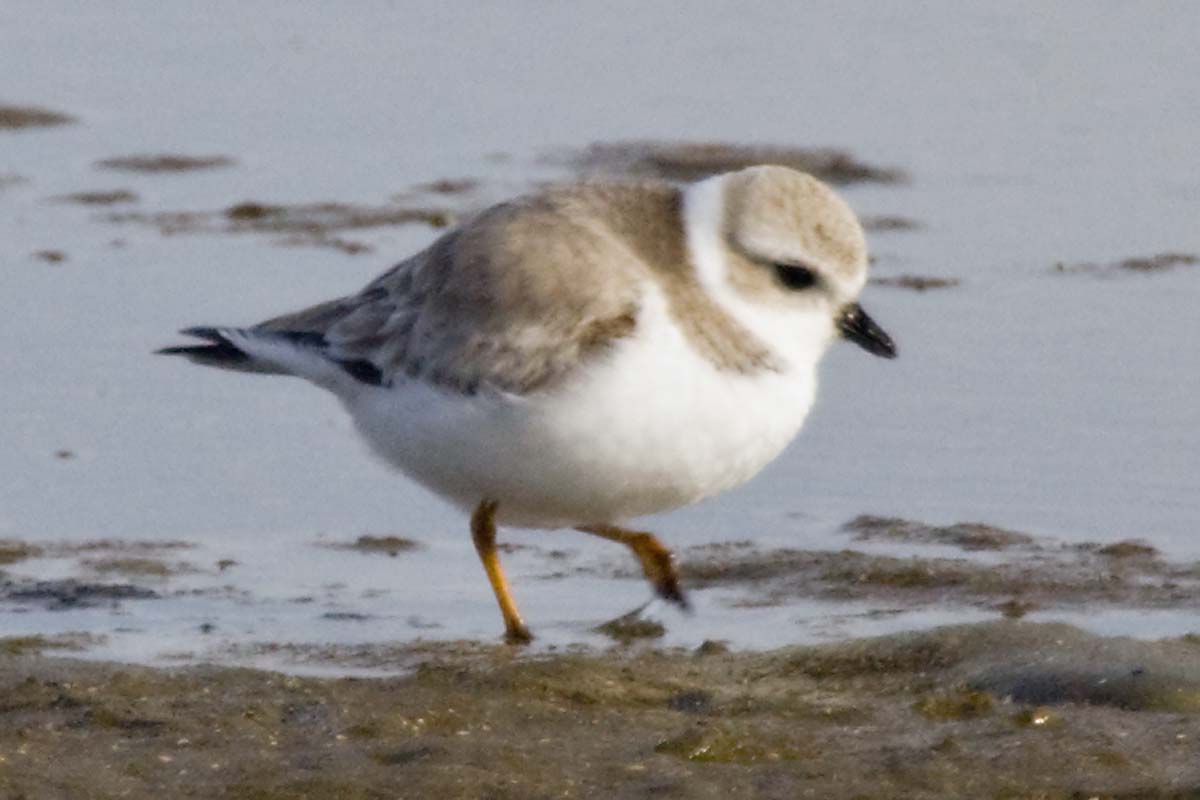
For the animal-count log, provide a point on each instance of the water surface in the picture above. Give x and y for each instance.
(1058, 404)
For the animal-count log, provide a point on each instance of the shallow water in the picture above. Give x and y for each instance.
(1058, 404)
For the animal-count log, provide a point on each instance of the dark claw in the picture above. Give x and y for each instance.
(518, 636)
(667, 581)
(670, 591)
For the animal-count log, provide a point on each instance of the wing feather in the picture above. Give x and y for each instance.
(513, 300)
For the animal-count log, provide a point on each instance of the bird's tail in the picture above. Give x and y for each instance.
(222, 351)
(305, 354)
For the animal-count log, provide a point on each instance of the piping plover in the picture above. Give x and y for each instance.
(588, 354)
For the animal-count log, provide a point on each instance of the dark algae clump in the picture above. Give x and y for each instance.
(388, 545)
(1158, 262)
(58, 595)
(1146, 265)
(33, 645)
(975, 565)
(1128, 548)
(159, 163)
(136, 567)
(965, 535)
(296, 224)
(631, 627)
(98, 198)
(50, 256)
(12, 551)
(917, 283)
(14, 118)
(449, 186)
(888, 223)
(691, 161)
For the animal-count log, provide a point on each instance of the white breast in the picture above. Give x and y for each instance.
(650, 427)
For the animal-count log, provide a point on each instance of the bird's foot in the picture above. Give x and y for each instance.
(517, 634)
(658, 563)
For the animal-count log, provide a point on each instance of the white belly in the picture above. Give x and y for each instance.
(650, 427)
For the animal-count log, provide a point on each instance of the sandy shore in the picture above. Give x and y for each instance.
(1006, 709)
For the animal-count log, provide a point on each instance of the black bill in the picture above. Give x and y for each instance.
(858, 327)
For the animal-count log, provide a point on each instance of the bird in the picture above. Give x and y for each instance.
(588, 353)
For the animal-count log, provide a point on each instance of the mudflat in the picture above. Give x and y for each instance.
(1001, 709)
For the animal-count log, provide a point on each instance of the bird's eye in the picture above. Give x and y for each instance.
(795, 277)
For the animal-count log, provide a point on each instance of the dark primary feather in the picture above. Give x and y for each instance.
(221, 352)
(363, 371)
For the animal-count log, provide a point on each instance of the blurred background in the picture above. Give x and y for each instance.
(1030, 176)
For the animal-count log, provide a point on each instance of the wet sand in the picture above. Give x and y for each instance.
(1002, 709)
(1005, 709)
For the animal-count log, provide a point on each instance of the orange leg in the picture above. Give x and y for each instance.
(483, 531)
(658, 563)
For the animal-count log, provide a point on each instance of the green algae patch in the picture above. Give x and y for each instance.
(21, 645)
(724, 745)
(714, 647)
(12, 551)
(36, 644)
(1129, 548)
(954, 705)
(137, 567)
(385, 545)
(632, 627)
